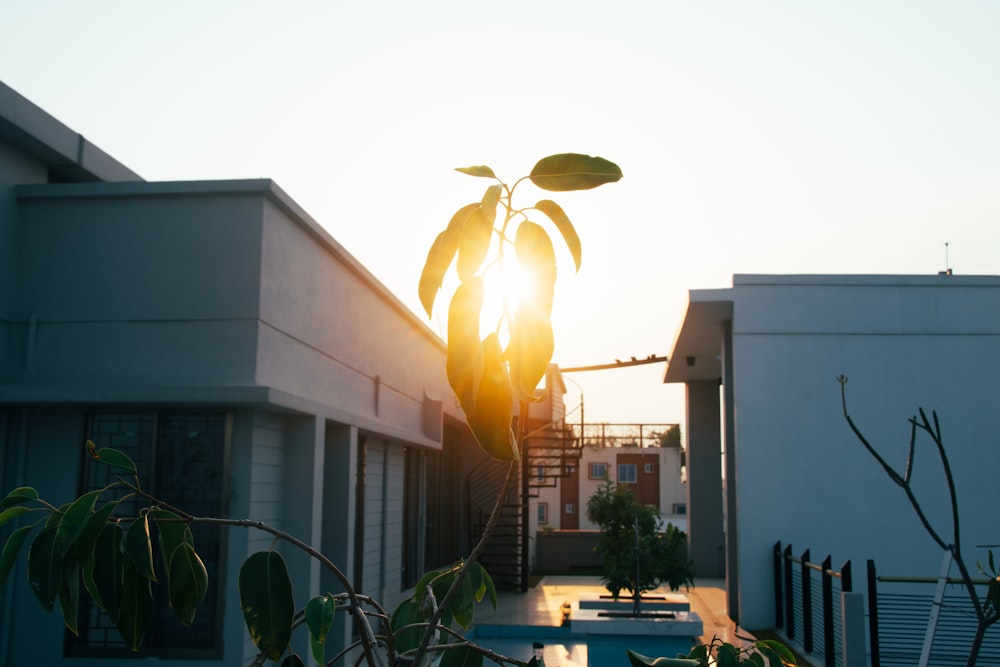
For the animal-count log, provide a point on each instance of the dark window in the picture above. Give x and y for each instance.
(626, 473)
(598, 470)
(648, 467)
(543, 512)
(182, 459)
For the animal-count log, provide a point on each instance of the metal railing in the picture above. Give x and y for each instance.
(807, 602)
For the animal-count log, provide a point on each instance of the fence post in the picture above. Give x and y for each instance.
(828, 647)
(852, 623)
(777, 586)
(873, 613)
(789, 608)
(807, 614)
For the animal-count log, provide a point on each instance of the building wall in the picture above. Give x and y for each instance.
(801, 476)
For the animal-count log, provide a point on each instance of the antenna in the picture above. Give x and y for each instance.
(947, 265)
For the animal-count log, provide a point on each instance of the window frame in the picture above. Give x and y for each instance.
(76, 647)
(592, 466)
(634, 476)
(542, 514)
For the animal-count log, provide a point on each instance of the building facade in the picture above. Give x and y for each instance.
(770, 455)
(249, 364)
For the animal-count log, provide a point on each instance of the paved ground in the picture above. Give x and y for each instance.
(542, 606)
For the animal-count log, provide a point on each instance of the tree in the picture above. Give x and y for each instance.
(92, 544)
(671, 437)
(987, 610)
(637, 556)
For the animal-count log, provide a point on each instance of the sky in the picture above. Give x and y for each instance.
(768, 136)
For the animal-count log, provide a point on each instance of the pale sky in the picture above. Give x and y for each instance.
(754, 137)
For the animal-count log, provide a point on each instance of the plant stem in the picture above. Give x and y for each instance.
(469, 561)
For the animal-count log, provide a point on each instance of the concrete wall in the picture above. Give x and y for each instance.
(802, 477)
(567, 550)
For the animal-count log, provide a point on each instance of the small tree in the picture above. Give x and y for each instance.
(987, 610)
(637, 556)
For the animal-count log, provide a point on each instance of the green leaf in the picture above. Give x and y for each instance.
(139, 548)
(113, 457)
(573, 171)
(266, 600)
(640, 660)
(473, 243)
(319, 617)
(136, 608)
(490, 421)
(12, 513)
(11, 550)
(407, 613)
(491, 589)
(757, 659)
(75, 520)
(292, 660)
(477, 581)
(439, 257)
(187, 582)
(532, 343)
(69, 594)
(784, 653)
(464, 363)
(18, 496)
(420, 592)
(462, 656)
(489, 204)
(102, 572)
(172, 532)
(565, 227)
(481, 171)
(45, 565)
(727, 656)
(84, 546)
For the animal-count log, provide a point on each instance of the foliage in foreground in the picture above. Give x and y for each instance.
(761, 653)
(86, 542)
(637, 556)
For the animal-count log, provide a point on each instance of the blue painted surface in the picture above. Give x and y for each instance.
(562, 648)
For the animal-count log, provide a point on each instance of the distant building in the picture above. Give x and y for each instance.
(760, 362)
(652, 474)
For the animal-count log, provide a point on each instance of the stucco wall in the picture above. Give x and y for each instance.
(802, 477)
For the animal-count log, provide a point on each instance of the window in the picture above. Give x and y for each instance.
(540, 473)
(543, 513)
(626, 473)
(680, 508)
(181, 458)
(598, 470)
(570, 508)
(570, 470)
(648, 467)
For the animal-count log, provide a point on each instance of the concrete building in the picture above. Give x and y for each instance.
(247, 362)
(770, 455)
(653, 474)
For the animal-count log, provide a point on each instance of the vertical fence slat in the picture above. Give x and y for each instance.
(828, 643)
(846, 582)
(788, 592)
(807, 614)
(778, 617)
(873, 613)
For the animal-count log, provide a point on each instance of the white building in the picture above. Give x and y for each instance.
(770, 455)
(247, 361)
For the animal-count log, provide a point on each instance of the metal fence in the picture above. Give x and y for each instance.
(899, 611)
(808, 599)
(807, 603)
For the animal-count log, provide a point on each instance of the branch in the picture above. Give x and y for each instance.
(902, 482)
